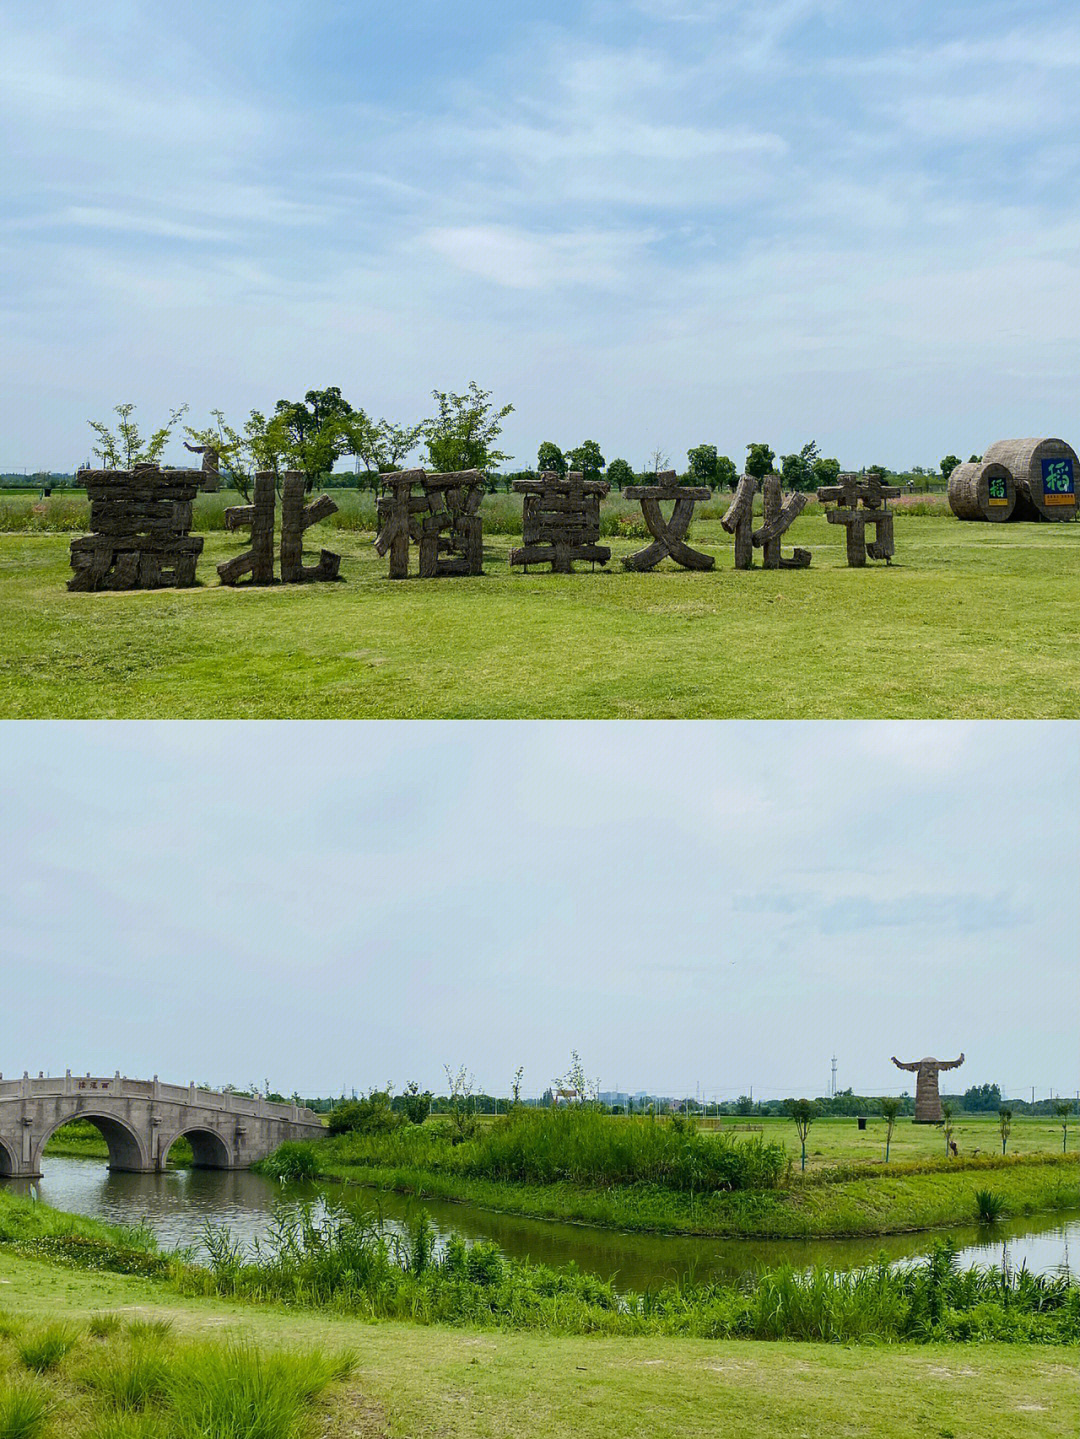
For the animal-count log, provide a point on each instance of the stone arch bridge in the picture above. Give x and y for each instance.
(140, 1119)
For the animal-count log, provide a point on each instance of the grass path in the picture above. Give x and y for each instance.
(414, 1382)
(976, 621)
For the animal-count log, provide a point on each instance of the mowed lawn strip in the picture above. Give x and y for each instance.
(412, 1381)
(972, 620)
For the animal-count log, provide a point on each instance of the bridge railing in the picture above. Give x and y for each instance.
(118, 1086)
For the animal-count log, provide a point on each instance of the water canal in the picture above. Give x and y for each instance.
(178, 1204)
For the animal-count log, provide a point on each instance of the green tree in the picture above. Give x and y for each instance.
(316, 431)
(759, 461)
(126, 448)
(890, 1108)
(620, 473)
(803, 1112)
(826, 471)
(587, 458)
(550, 457)
(981, 1097)
(1005, 1125)
(416, 1104)
(702, 461)
(974, 459)
(1063, 1108)
(261, 445)
(727, 472)
(948, 464)
(462, 435)
(380, 445)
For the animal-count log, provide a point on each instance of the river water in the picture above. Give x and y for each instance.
(178, 1204)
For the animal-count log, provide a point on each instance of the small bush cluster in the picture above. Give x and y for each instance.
(371, 1115)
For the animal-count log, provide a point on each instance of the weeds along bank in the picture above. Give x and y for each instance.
(346, 1265)
(631, 1174)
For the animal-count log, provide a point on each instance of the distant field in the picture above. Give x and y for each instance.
(972, 620)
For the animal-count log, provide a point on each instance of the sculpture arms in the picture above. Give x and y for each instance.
(912, 1067)
(952, 1063)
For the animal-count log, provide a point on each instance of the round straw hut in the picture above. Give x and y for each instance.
(1045, 473)
(982, 492)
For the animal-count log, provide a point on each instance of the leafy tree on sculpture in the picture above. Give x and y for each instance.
(462, 435)
(550, 457)
(127, 448)
(759, 461)
(587, 458)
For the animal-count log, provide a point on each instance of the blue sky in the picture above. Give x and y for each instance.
(653, 224)
(724, 905)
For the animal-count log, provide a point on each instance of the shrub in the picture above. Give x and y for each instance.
(24, 1411)
(291, 1162)
(371, 1115)
(44, 1349)
(990, 1205)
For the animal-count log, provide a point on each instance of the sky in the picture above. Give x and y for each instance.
(652, 223)
(695, 909)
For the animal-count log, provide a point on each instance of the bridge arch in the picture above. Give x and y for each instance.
(209, 1149)
(8, 1162)
(127, 1148)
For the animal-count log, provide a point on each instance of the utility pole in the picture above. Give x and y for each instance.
(832, 1091)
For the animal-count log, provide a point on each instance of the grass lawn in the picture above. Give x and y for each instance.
(973, 620)
(411, 1382)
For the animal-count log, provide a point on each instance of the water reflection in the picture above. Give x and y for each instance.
(177, 1205)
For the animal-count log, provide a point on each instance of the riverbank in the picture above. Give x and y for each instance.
(461, 1384)
(903, 1199)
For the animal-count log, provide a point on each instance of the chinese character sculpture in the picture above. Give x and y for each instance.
(210, 476)
(296, 517)
(871, 494)
(668, 535)
(779, 515)
(437, 513)
(927, 1099)
(560, 521)
(140, 519)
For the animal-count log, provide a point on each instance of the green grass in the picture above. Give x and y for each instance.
(972, 620)
(411, 1382)
(146, 1384)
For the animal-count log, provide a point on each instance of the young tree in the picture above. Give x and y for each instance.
(587, 458)
(550, 457)
(948, 464)
(1063, 1108)
(261, 446)
(657, 461)
(462, 1104)
(803, 1112)
(702, 460)
(890, 1108)
(947, 1125)
(515, 1088)
(759, 461)
(462, 435)
(1004, 1124)
(126, 448)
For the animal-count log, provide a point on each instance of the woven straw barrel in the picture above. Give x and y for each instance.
(982, 492)
(1046, 473)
